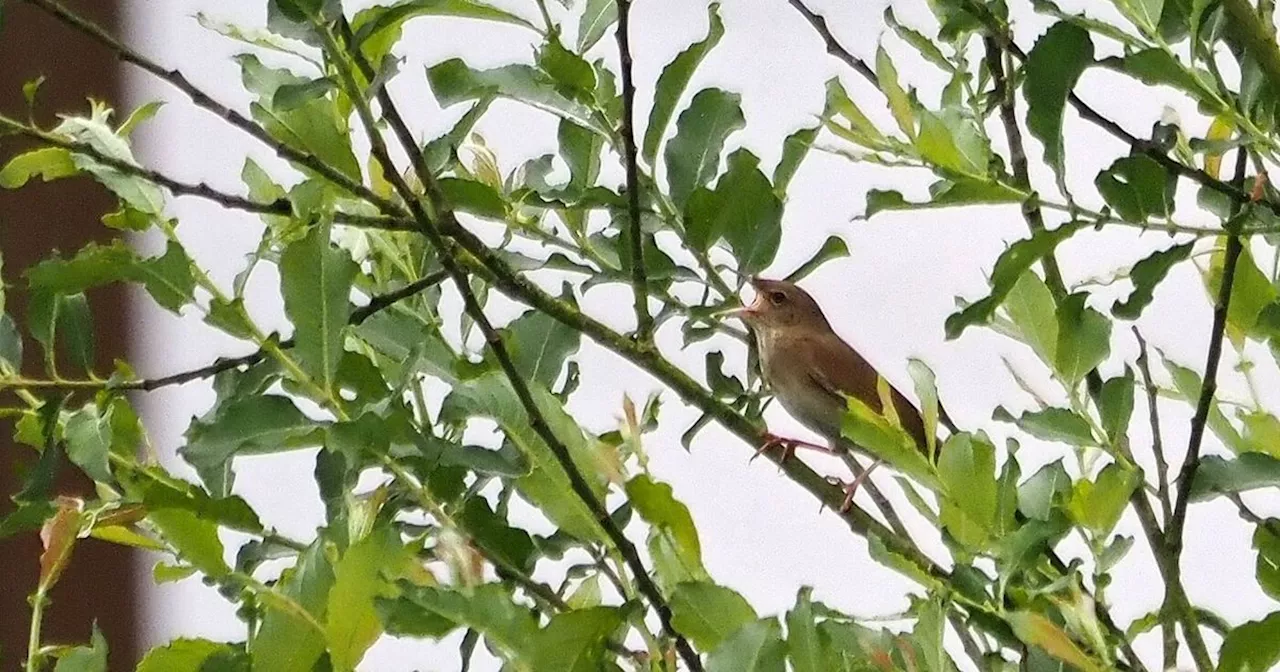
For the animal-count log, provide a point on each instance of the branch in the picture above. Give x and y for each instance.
(1157, 445)
(639, 284)
(494, 340)
(376, 304)
(203, 100)
(833, 45)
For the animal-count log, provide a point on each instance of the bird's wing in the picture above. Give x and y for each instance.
(840, 370)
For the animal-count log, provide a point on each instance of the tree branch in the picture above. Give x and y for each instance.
(639, 283)
(833, 45)
(429, 228)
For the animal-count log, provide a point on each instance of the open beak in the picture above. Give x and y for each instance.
(747, 313)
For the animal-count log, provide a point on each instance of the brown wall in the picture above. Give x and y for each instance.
(99, 584)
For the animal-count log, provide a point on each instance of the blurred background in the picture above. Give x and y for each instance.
(761, 535)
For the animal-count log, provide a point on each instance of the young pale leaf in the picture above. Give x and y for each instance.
(1250, 471)
(195, 540)
(1030, 306)
(1012, 264)
(967, 469)
(926, 385)
(1052, 424)
(1097, 505)
(574, 641)
(859, 130)
(315, 280)
(193, 655)
(287, 642)
(951, 142)
(1137, 188)
(672, 82)
(1038, 631)
(1084, 338)
(1252, 646)
(1146, 274)
(1251, 292)
(707, 614)
(873, 433)
(352, 624)
(595, 21)
(1056, 61)
(756, 647)
(47, 163)
(656, 503)
(1045, 490)
(693, 156)
(899, 102)
(958, 190)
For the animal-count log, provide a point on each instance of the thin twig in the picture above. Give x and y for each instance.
(428, 225)
(639, 283)
(833, 45)
(1157, 445)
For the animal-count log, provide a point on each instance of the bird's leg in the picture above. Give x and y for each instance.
(851, 489)
(788, 446)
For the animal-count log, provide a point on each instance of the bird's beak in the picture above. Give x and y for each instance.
(748, 312)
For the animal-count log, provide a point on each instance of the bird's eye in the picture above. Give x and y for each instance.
(777, 298)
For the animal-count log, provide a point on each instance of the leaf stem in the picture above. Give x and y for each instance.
(38, 601)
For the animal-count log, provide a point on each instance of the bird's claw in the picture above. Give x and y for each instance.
(788, 447)
(851, 488)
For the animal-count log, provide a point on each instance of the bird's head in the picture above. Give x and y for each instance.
(781, 305)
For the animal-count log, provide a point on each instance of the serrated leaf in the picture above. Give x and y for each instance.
(195, 540)
(692, 157)
(1054, 65)
(453, 81)
(672, 82)
(597, 17)
(47, 163)
(658, 506)
(899, 102)
(1052, 424)
(944, 193)
(315, 280)
(1146, 274)
(708, 614)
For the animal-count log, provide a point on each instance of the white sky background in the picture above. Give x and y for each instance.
(761, 535)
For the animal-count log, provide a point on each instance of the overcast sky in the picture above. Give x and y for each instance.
(761, 535)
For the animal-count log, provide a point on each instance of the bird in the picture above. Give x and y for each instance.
(811, 370)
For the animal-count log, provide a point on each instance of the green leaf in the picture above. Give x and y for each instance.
(453, 81)
(315, 280)
(743, 209)
(951, 142)
(75, 326)
(1038, 631)
(833, 248)
(545, 485)
(293, 96)
(90, 442)
(48, 163)
(378, 28)
(10, 343)
(756, 647)
(672, 82)
(1251, 292)
(1267, 543)
(497, 538)
(658, 506)
(1012, 264)
(596, 18)
(922, 43)
(195, 540)
(692, 157)
(942, 194)
(574, 641)
(708, 614)
(92, 658)
(245, 426)
(315, 127)
(874, 433)
(157, 489)
(352, 625)
(1146, 274)
(794, 149)
(1044, 491)
(1030, 306)
(489, 609)
(440, 151)
(1145, 13)
(1155, 66)
(899, 101)
(859, 129)
(1188, 385)
(192, 655)
(572, 74)
(1084, 338)
(1249, 471)
(967, 470)
(580, 149)
(1116, 405)
(168, 278)
(1053, 67)
(1137, 188)
(1054, 424)
(473, 197)
(926, 386)
(805, 647)
(1098, 504)
(128, 219)
(286, 642)
(540, 345)
(1252, 646)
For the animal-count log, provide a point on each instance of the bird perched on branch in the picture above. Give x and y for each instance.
(812, 370)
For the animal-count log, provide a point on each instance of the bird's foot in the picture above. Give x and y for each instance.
(788, 446)
(851, 488)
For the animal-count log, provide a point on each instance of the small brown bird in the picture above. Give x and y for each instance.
(811, 370)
